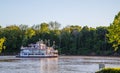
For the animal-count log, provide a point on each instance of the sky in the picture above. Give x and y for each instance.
(92, 13)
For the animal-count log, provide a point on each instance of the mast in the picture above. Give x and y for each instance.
(53, 44)
(48, 43)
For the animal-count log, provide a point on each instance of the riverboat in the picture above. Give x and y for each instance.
(38, 50)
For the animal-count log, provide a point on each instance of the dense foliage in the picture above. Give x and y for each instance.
(70, 40)
(109, 70)
(114, 32)
(2, 40)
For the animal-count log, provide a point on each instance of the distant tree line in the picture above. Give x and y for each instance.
(70, 40)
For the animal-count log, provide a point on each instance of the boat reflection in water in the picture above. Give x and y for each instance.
(49, 65)
(61, 64)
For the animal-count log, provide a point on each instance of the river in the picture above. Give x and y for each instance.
(62, 64)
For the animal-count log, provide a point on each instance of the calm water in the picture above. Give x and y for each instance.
(63, 64)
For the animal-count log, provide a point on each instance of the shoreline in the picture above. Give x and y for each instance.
(7, 57)
(66, 56)
(91, 56)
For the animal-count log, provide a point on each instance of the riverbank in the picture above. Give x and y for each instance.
(93, 57)
(7, 57)
(83, 57)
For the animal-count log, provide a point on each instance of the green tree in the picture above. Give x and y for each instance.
(28, 34)
(100, 40)
(65, 41)
(2, 40)
(114, 32)
(44, 28)
(13, 39)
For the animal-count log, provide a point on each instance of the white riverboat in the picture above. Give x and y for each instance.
(38, 50)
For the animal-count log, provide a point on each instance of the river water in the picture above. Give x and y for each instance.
(62, 64)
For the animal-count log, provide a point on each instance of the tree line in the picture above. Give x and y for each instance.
(70, 40)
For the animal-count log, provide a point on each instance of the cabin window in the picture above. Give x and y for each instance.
(25, 53)
(42, 53)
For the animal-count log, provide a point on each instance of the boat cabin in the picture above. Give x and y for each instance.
(38, 49)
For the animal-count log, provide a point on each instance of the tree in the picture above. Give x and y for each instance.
(23, 27)
(36, 27)
(54, 25)
(44, 28)
(100, 40)
(65, 41)
(13, 39)
(71, 40)
(114, 32)
(2, 40)
(29, 33)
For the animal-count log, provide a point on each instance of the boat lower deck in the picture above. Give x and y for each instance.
(36, 56)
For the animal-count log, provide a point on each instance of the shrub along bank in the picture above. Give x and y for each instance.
(109, 70)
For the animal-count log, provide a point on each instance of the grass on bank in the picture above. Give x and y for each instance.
(109, 70)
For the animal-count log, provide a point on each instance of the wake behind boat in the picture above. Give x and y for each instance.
(38, 50)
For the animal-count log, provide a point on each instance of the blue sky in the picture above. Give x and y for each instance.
(92, 13)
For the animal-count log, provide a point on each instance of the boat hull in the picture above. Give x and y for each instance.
(36, 56)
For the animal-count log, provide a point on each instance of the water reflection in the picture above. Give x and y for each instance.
(64, 64)
(49, 65)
